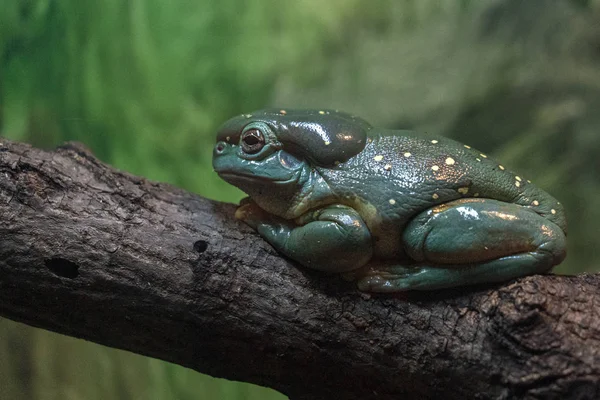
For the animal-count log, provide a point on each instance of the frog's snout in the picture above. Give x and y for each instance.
(221, 151)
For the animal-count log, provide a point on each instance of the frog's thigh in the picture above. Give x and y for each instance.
(472, 241)
(470, 231)
(336, 240)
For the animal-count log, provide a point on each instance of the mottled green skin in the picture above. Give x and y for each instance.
(397, 211)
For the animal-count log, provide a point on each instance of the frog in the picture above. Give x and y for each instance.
(392, 210)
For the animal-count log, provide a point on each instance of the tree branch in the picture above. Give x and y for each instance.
(99, 254)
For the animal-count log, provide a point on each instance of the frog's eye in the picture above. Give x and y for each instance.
(252, 141)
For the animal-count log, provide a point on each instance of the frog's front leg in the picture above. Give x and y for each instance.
(470, 241)
(331, 239)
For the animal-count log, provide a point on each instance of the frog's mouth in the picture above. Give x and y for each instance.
(234, 177)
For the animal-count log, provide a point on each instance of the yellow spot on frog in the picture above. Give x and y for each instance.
(518, 178)
(434, 141)
(435, 196)
(528, 181)
(327, 143)
(392, 201)
(378, 158)
(450, 161)
(501, 167)
(407, 154)
(282, 112)
(535, 203)
(248, 115)
(553, 211)
(478, 159)
(387, 167)
(517, 183)
(483, 155)
(435, 168)
(228, 138)
(476, 195)
(467, 147)
(463, 190)
(322, 112)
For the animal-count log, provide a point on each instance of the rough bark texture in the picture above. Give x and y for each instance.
(95, 253)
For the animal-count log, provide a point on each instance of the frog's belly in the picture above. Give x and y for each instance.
(386, 234)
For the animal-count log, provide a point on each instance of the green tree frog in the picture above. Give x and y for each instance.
(393, 210)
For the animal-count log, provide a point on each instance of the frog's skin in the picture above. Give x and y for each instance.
(396, 210)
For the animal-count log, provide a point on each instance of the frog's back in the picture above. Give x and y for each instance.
(402, 173)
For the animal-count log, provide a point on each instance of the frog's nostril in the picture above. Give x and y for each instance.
(220, 147)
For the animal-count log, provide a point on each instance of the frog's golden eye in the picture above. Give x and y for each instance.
(252, 141)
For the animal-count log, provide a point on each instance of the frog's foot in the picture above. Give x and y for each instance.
(385, 278)
(251, 213)
(468, 242)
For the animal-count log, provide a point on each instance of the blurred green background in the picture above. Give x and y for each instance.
(145, 83)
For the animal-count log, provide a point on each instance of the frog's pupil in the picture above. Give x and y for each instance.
(253, 141)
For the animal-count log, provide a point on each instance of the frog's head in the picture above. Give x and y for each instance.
(270, 154)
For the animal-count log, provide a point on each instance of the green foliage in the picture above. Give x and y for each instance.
(145, 84)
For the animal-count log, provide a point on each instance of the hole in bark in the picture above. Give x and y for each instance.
(200, 246)
(62, 267)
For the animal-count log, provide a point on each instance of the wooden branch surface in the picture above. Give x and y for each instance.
(91, 252)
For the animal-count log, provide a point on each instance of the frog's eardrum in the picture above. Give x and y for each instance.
(325, 137)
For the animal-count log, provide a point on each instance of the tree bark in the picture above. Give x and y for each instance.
(92, 252)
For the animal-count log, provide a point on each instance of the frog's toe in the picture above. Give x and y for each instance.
(250, 213)
(379, 284)
(391, 279)
(244, 213)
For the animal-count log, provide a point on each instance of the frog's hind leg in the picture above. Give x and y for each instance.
(467, 242)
